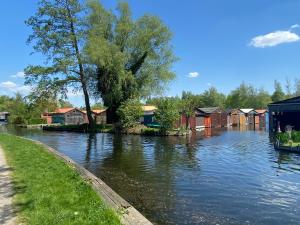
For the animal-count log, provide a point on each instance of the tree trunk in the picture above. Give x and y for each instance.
(91, 122)
(112, 116)
(88, 107)
(187, 124)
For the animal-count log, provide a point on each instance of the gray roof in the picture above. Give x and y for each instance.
(208, 109)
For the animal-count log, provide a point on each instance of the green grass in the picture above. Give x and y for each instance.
(48, 191)
(292, 144)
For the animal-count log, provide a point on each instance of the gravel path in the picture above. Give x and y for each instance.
(7, 215)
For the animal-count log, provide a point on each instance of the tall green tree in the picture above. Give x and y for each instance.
(278, 94)
(212, 98)
(188, 105)
(133, 58)
(59, 33)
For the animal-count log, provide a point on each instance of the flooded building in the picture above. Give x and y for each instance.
(245, 117)
(284, 113)
(99, 116)
(261, 117)
(68, 116)
(214, 117)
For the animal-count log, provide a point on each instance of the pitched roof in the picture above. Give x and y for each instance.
(208, 109)
(96, 111)
(246, 110)
(260, 111)
(63, 110)
(148, 108)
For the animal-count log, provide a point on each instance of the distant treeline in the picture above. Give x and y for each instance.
(28, 110)
(245, 96)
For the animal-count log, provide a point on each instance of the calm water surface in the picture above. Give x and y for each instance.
(232, 177)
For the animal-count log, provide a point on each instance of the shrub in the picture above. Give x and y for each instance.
(37, 121)
(296, 136)
(166, 115)
(283, 137)
(130, 113)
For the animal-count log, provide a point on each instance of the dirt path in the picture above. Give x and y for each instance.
(7, 215)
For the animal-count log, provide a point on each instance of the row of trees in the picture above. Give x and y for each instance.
(244, 96)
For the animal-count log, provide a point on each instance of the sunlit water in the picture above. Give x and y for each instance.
(232, 177)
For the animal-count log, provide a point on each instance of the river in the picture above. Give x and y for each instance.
(212, 177)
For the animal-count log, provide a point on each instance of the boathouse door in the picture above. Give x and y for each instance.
(207, 122)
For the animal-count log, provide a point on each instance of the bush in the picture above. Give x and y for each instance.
(166, 115)
(296, 136)
(130, 113)
(37, 121)
(18, 120)
(283, 138)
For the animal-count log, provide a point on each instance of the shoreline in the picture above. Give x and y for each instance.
(128, 214)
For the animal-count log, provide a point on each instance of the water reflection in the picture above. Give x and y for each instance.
(215, 176)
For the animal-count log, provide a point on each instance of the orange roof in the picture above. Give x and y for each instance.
(260, 111)
(63, 110)
(149, 108)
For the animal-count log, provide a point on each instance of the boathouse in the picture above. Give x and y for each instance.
(234, 115)
(284, 113)
(99, 116)
(68, 116)
(261, 117)
(211, 117)
(4, 117)
(148, 118)
(246, 117)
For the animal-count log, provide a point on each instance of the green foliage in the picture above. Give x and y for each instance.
(212, 98)
(26, 110)
(65, 104)
(150, 131)
(133, 57)
(166, 114)
(130, 113)
(59, 33)
(246, 96)
(295, 136)
(283, 137)
(278, 94)
(48, 190)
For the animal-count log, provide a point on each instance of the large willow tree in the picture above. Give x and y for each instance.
(59, 33)
(132, 58)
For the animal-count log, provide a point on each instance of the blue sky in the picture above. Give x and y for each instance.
(220, 43)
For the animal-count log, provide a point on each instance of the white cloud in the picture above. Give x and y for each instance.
(193, 74)
(9, 86)
(295, 26)
(274, 38)
(208, 84)
(20, 74)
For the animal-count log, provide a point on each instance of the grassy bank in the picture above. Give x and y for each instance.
(47, 191)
